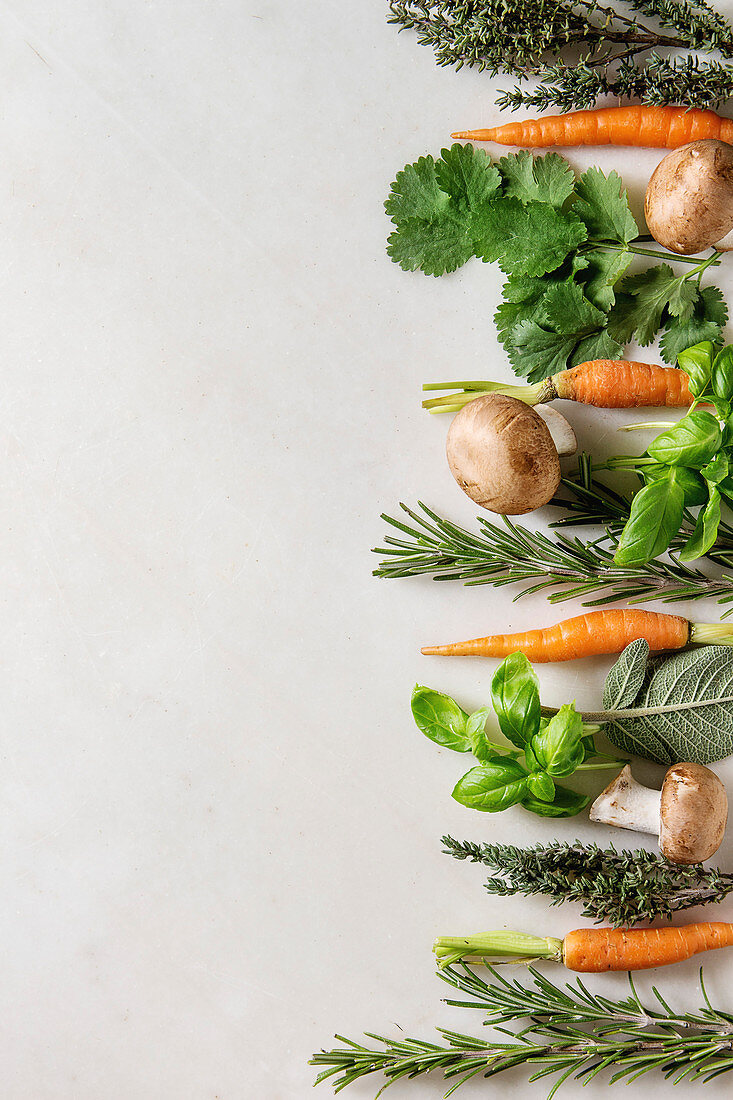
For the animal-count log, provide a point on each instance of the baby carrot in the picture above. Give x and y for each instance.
(605, 383)
(592, 950)
(653, 127)
(596, 632)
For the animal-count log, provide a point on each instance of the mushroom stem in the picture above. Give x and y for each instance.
(628, 805)
(562, 434)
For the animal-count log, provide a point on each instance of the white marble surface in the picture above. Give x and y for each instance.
(219, 828)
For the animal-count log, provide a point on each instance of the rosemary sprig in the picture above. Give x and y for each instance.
(571, 1033)
(596, 50)
(512, 554)
(618, 887)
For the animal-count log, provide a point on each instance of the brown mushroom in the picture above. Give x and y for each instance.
(502, 453)
(689, 200)
(688, 815)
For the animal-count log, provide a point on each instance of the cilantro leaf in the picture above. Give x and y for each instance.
(566, 320)
(435, 206)
(468, 176)
(603, 206)
(547, 179)
(416, 193)
(709, 317)
(637, 314)
(529, 239)
(603, 270)
(599, 345)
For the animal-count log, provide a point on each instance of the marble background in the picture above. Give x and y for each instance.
(219, 829)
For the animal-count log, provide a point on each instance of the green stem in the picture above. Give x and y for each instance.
(611, 246)
(486, 945)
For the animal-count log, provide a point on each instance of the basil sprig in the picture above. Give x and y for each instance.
(686, 466)
(542, 749)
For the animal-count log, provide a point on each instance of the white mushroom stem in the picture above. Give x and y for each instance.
(562, 434)
(628, 805)
(725, 244)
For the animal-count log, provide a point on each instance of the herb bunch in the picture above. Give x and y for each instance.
(565, 245)
(545, 747)
(616, 887)
(570, 1033)
(596, 50)
(562, 567)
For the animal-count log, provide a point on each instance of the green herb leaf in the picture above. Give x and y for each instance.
(527, 239)
(441, 719)
(706, 530)
(683, 710)
(641, 302)
(697, 362)
(528, 178)
(693, 485)
(656, 514)
(625, 680)
(603, 270)
(693, 441)
(544, 346)
(494, 785)
(482, 748)
(603, 206)
(709, 317)
(540, 785)
(566, 803)
(515, 695)
(558, 747)
(722, 374)
(468, 176)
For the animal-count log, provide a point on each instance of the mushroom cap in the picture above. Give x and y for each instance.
(501, 453)
(693, 813)
(689, 201)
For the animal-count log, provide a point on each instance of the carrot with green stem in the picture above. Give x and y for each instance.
(591, 950)
(647, 126)
(590, 635)
(605, 383)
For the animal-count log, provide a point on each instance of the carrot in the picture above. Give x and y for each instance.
(654, 127)
(623, 384)
(607, 631)
(605, 383)
(593, 950)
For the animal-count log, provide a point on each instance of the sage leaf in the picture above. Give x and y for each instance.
(625, 679)
(682, 711)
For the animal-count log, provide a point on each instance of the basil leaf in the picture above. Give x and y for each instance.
(441, 719)
(697, 363)
(482, 748)
(693, 441)
(558, 747)
(515, 694)
(705, 532)
(566, 803)
(693, 485)
(656, 514)
(541, 786)
(722, 376)
(683, 710)
(717, 470)
(494, 785)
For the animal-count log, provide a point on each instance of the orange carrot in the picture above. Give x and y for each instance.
(654, 127)
(593, 950)
(623, 384)
(605, 383)
(607, 631)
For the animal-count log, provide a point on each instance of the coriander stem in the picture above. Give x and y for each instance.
(613, 247)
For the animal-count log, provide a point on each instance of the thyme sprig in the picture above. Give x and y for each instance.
(596, 50)
(618, 887)
(563, 567)
(571, 1033)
